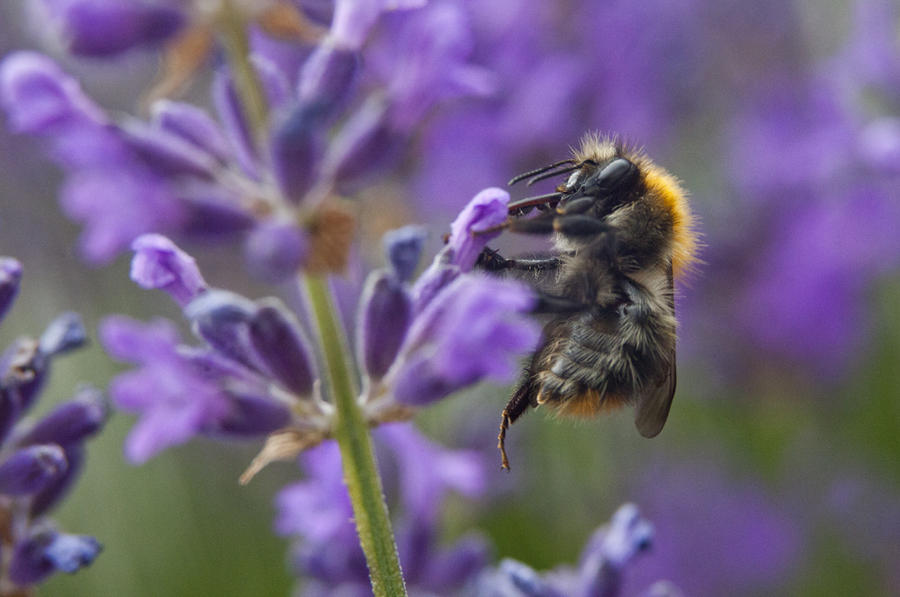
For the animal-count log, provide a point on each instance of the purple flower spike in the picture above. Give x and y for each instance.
(223, 319)
(384, 317)
(40, 98)
(64, 333)
(45, 551)
(71, 421)
(486, 210)
(29, 470)
(282, 346)
(10, 278)
(159, 263)
(275, 251)
(404, 250)
(327, 78)
(193, 125)
(611, 548)
(295, 151)
(101, 28)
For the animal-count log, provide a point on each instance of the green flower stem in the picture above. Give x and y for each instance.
(351, 431)
(233, 31)
(352, 434)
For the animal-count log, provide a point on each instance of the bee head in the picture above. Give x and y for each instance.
(600, 188)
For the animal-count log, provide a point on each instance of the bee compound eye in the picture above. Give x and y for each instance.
(619, 174)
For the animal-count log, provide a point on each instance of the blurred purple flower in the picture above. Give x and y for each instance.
(180, 392)
(605, 562)
(714, 535)
(418, 475)
(42, 458)
(102, 28)
(41, 99)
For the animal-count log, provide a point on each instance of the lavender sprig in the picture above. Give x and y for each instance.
(40, 460)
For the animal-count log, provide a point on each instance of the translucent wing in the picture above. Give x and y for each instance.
(655, 400)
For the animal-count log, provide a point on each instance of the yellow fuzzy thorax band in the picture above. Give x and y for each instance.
(660, 185)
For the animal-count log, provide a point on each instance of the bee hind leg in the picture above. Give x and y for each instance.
(517, 405)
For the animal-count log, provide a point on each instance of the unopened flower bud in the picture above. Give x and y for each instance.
(283, 348)
(384, 317)
(29, 470)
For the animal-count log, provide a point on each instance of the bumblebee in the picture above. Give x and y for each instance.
(623, 233)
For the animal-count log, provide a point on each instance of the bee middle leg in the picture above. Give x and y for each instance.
(492, 261)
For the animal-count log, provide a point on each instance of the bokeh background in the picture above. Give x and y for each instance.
(779, 469)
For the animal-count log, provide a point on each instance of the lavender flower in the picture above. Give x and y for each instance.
(604, 562)
(185, 174)
(419, 474)
(41, 459)
(255, 374)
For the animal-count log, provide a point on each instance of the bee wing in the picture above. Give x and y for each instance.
(654, 402)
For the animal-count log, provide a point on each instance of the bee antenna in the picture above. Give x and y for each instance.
(534, 179)
(541, 170)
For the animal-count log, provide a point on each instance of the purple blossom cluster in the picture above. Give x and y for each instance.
(266, 184)
(255, 373)
(40, 459)
(420, 474)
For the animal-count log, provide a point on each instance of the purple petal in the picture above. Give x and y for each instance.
(159, 263)
(192, 124)
(116, 206)
(166, 153)
(127, 339)
(487, 209)
(45, 551)
(40, 98)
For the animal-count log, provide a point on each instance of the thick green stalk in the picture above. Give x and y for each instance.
(352, 434)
